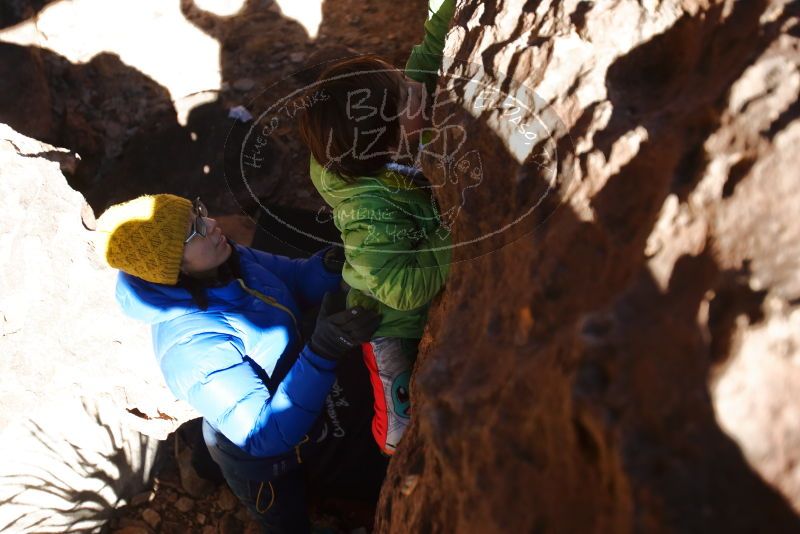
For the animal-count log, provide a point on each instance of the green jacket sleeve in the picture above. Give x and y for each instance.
(426, 58)
(402, 266)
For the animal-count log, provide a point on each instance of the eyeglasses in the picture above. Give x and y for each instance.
(198, 224)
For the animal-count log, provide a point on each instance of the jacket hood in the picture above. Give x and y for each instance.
(156, 303)
(152, 303)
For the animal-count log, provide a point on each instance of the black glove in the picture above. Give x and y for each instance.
(333, 259)
(338, 330)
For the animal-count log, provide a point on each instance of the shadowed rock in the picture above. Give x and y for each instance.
(598, 373)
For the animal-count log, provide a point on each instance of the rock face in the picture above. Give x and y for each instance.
(81, 395)
(625, 359)
(152, 115)
(618, 347)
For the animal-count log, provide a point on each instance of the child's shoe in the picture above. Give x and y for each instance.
(389, 371)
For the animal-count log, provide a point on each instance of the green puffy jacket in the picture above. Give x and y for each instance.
(398, 255)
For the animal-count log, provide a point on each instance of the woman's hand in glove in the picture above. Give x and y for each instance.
(338, 330)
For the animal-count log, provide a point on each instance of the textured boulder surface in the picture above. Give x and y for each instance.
(618, 347)
(628, 360)
(81, 395)
(151, 114)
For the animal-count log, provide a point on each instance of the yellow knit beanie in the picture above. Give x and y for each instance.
(144, 237)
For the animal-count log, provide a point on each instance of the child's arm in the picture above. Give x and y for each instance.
(426, 58)
(402, 268)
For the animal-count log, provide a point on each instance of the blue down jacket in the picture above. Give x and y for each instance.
(221, 360)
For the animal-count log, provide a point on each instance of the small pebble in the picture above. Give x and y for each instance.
(172, 527)
(227, 500)
(184, 504)
(243, 515)
(141, 498)
(151, 517)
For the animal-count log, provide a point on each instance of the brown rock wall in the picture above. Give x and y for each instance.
(595, 373)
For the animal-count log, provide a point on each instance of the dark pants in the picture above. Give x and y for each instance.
(339, 459)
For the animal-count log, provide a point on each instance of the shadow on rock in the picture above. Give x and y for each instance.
(66, 487)
(591, 382)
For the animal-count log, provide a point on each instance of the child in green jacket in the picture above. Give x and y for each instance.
(397, 254)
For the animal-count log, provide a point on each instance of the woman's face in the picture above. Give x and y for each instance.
(202, 255)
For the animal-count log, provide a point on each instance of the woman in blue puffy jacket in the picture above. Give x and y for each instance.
(226, 333)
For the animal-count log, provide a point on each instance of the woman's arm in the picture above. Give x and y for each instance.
(212, 373)
(307, 278)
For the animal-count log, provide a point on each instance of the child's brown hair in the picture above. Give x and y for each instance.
(355, 127)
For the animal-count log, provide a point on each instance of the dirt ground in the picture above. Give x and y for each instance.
(181, 501)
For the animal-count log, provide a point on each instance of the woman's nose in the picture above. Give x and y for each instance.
(211, 225)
